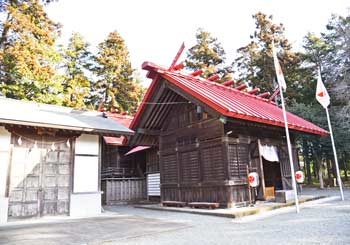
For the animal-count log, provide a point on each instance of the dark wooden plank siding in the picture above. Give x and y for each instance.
(194, 159)
(189, 166)
(212, 163)
(152, 160)
(169, 173)
(238, 155)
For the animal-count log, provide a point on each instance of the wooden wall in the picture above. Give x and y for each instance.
(40, 175)
(120, 190)
(250, 135)
(198, 162)
(203, 159)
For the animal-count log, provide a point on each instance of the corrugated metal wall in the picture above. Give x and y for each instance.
(153, 184)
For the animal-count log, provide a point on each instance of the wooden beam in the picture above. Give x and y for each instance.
(157, 114)
(152, 132)
(150, 107)
(164, 111)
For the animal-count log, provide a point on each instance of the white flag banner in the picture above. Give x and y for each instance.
(279, 73)
(322, 95)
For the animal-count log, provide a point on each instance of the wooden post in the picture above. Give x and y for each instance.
(262, 170)
(249, 188)
(8, 179)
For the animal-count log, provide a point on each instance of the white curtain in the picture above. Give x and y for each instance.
(269, 152)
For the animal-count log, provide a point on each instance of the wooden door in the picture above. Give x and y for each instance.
(39, 179)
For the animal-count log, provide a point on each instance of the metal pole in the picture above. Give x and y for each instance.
(290, 153)
(335, 156)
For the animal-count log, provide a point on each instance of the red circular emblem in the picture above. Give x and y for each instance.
(298, 176)
(251, 179)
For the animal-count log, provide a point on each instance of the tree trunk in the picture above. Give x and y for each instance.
(329, 175)
(320, 176)
(345, 167)
(307, 161)
(315, 168)
(5, 30)
(334, 171)
(318, 162)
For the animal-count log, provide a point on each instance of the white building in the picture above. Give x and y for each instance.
(50, 159)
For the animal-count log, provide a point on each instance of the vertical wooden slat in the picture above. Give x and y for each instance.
(262, 169)
(120, 190)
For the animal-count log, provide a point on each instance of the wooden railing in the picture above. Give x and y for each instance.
(111, 172)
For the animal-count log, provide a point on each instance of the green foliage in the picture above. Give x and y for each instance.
(116, 84)
(31, 66)
(254, 63)
(209, 55)
(331, 52)
(27, 56)
(77, 64)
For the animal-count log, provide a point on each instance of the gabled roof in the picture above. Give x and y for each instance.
(125, 120)
(227, 101)
(18, 112)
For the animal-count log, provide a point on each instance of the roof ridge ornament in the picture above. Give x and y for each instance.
(241, 87)
(229, 83)
(277, 91)
(213, 78)
(176, 58)
(196, 73)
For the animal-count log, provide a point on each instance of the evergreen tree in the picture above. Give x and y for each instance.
(115, 84)
(77, 64)
(330, 52)
(27, 54)
(254, 63)
(209, 55)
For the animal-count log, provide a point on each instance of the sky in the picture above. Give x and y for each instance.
(155, 29)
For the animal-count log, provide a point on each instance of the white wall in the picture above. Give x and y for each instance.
(5, 140)
(86, 196)
(85, 174)
(87, 144)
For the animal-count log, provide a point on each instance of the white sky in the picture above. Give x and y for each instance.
(154, 29)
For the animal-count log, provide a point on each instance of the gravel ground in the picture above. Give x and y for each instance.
(325, 221)
(319, 222)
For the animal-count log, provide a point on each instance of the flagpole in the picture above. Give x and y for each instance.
(335, 156)
(290, 153)
(282, 85)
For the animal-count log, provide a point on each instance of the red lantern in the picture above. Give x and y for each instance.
(253, 179)
(299, 177)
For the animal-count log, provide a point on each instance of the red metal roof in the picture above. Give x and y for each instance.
(122, 119)
(137, 149)
(228, 101)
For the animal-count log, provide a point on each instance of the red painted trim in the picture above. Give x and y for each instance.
(181, 49)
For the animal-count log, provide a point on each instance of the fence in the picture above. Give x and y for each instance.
(119, 190)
